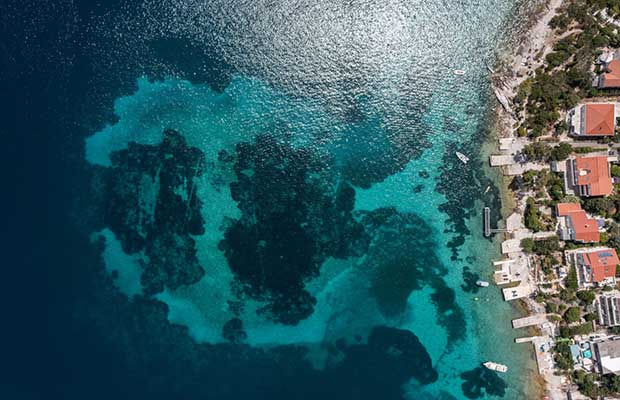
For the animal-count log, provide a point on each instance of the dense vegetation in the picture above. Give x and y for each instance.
(541, 151)
(543, 247)
(595, 385)
(562, 356)
(566, 77)
(533, 216)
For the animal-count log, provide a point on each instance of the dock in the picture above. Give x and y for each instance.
(529, 321)
(526, 339)
(488, 231)
(487, 221)
(501, 160)
(518, 292)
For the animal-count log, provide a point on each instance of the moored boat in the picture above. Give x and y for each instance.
(482, 283)
(462, 157)
(495, 366)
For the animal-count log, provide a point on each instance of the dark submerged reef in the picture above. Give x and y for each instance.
(294, 216)
(480, 380)
(400, 269)
(469, 281)
(282, 237)
(139, 343)
(162, 229)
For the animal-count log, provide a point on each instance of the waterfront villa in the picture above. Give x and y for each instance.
(608, 308)
(593, 120)
(610, 71)
(595, 266)
(575, 225)
(589, 176)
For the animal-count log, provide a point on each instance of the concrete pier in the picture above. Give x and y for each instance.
(529, 321)
(526, 339)
(487, 221)
(488, 231)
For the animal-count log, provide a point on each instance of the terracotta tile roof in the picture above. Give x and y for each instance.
(600, 119)
(611, 79)
(594, 172)
(585, 228)
(602, 263)
(564, 208)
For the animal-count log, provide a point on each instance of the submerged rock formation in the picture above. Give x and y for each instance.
(151, 206)
(294, 215)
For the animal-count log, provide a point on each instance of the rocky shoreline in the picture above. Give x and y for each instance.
(536, 42)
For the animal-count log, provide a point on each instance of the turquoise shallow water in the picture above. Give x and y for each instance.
(316, 194)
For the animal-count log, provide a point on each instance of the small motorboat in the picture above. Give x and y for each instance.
(459, 72)
(482, 283)
(495, 366)
(462, 157)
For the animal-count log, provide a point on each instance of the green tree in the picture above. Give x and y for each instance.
(546, 246)
(537, 151)
(573, 314)
(561, 151)
(613, 235)
(603, 206)
(532, 216)
(586, 296)
(551, 308)
(571, 279)
(527, 245)
(562, 356)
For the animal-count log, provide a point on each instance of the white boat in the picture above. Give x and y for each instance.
(462, 157)
(495, 366)
(482, 283)
(459, 72)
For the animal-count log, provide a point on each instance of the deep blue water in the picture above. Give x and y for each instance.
(243, 200)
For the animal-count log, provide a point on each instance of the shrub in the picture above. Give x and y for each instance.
(582, 329)
(557, 58)
(551, 308)
(554, 318)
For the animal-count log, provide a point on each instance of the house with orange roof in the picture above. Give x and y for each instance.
(575, 225)
(610, 71)
(595, 266)
(589, 176)
(593, 120)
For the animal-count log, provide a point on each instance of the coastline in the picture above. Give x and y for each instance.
(520, 61)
